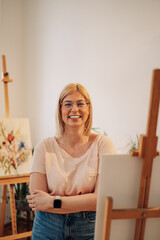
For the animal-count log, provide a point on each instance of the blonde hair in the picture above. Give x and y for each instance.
(69, 89)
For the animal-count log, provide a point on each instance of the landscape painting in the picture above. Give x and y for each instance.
(15, 147)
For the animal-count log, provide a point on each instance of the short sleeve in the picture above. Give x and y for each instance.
(38, 160)
(106, 146)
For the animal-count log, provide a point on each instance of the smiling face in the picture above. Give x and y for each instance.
(74, 110)
(68, 90)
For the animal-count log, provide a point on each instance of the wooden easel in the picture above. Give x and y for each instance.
(10, 180)
(147, 151)
(138, 213)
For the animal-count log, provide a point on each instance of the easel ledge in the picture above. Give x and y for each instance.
(17, 236)
(14, 179)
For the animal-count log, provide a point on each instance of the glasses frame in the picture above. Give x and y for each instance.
(72, 103)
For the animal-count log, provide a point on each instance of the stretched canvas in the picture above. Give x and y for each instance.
(15, 147)
(120, 178)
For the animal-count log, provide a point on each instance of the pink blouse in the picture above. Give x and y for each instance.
(67, 175)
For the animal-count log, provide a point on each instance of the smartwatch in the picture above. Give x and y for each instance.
(57, 203)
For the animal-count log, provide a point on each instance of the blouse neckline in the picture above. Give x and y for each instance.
(70, 156)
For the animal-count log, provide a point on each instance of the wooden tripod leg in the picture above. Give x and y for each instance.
(140, 202)
(6, 100)
(107, 218)
(3, 210)
(13, 209)
(146, 200)
(6, 80)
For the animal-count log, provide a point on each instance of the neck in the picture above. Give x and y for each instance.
(73, 136)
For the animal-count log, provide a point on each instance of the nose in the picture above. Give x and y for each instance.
(74, 107)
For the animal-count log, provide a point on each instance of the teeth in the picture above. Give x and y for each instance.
(74, 116)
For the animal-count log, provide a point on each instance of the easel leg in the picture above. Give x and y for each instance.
(107, 218)
(142, 203)
(3, 210)
(143, 222)
(13, 209)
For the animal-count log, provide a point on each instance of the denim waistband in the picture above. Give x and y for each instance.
(78, 214)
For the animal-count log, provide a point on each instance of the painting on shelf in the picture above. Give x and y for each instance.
(15, 147)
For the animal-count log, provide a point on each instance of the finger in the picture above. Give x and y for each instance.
(31, 205)
(28, 196)
(30, 201)
(34, 209)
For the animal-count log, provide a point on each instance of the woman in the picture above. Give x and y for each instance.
(64, 172)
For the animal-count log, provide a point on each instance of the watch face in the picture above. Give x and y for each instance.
(57, 203)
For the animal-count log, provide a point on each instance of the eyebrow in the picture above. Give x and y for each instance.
(81, 100)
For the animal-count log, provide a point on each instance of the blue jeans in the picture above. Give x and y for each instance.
(73, 226)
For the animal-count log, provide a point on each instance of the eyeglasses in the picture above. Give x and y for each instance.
(69, 104)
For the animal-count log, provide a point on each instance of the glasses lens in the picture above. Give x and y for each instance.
(67, 105)
(79, 104)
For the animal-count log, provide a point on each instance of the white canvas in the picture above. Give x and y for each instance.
(15, 147)
(120, 179)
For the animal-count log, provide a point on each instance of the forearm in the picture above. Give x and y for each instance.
(42, 201)
(78, 203)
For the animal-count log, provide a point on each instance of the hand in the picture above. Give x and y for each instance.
(40, 200)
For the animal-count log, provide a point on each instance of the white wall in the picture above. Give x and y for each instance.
(12, 45)
(109, 46)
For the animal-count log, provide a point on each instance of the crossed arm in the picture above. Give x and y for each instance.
(41, 200)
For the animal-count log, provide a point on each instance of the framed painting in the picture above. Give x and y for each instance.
(15, 147)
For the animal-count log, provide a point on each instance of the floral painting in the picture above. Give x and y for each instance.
(15, 147)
